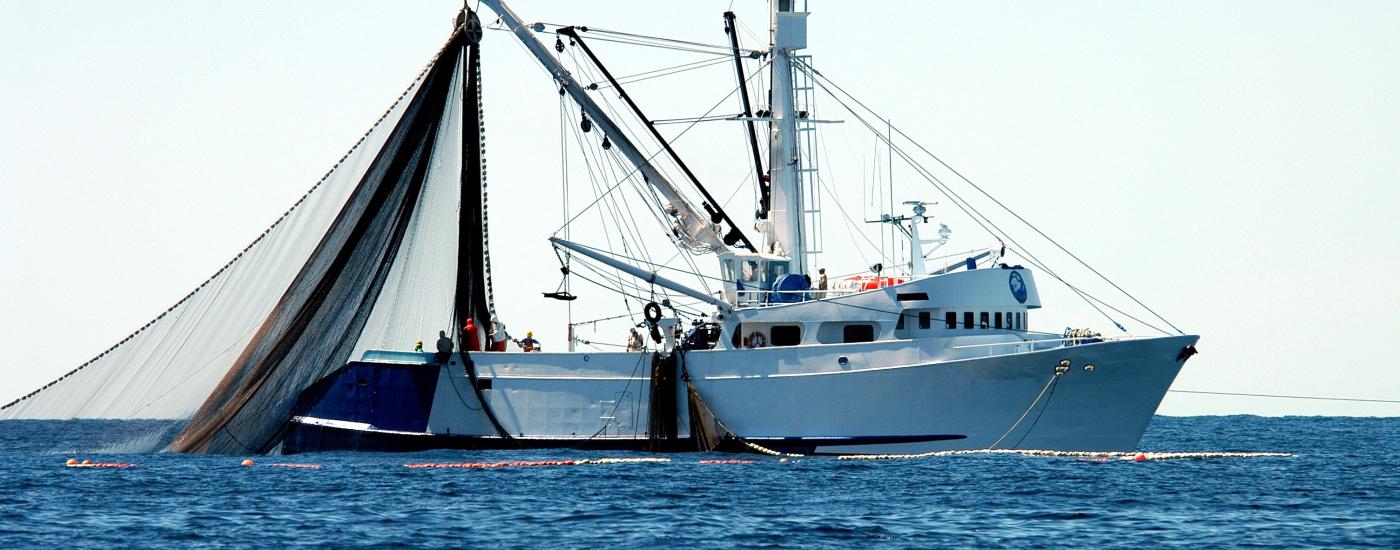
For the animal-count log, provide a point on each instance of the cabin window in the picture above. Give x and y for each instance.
(899, 325)
(851, 334)
(985, 317)
(951, 318)
(967, 320)
(925, 320)
(1021, 321)
(998, 319)
(786, 335)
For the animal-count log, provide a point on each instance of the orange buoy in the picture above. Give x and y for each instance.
(1140, 457)
(247, 462)
(72, 462)
(86, 462)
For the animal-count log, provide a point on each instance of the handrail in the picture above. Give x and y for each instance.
(1037, 341)
(760, 298)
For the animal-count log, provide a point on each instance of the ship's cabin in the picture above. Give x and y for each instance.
(973, 302)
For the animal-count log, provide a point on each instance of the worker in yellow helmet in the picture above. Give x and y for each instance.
(529, 343)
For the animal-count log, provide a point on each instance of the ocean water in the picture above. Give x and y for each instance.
(1341, 487)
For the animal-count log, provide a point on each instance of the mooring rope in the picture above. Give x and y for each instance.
(1059, 370)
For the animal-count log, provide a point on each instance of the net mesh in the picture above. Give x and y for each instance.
(367, 259)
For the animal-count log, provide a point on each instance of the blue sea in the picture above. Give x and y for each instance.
(1341, 487)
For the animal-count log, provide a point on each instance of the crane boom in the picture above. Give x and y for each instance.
(692, 226)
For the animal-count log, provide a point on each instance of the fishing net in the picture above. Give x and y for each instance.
(369, 258)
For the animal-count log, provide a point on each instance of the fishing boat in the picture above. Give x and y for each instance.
(742, 344)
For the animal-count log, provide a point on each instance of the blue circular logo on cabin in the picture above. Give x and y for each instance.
(1018, 287)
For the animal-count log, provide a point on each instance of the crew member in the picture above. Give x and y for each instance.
(470, 336)
(635, 342)
(529, 343)
(444, 347)
(418, 346)
(499, 336)
(821, 283)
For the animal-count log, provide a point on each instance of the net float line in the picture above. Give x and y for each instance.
(1108, 455)
(490, 465)
(726, 461)
(74, 463)
(532, 463)
(632, 460)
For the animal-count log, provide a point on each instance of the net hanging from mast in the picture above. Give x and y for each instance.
(369, 258)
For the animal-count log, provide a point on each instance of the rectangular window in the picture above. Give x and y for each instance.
(998, 320)
(951, 318)
(858, 333)
(1021, 321)
(899, 325)
(985, 318)
(786, 335)
(967, 320)
(925, 320)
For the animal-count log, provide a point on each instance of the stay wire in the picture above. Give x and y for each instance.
(602, 216)
(997, 202)
(658, 73)
(1279, 396)
(672, 141)
(978, 217)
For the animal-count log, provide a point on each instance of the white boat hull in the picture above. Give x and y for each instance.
(769, 397)
(886, 397)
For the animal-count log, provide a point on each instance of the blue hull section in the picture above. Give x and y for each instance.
(384, 396)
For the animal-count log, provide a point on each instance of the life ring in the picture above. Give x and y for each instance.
(757, 340)
(652, 312)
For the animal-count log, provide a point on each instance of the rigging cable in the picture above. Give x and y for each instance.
(990, 197)
(648, 40)
(672, 141)
(658, 73)
(1278, 396)
(981, 219)
(609, 205)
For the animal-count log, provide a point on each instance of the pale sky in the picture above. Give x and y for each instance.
(1234, 164)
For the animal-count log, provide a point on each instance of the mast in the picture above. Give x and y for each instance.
(692, 226)
(788, 34)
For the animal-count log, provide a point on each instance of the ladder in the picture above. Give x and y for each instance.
(808, 162)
